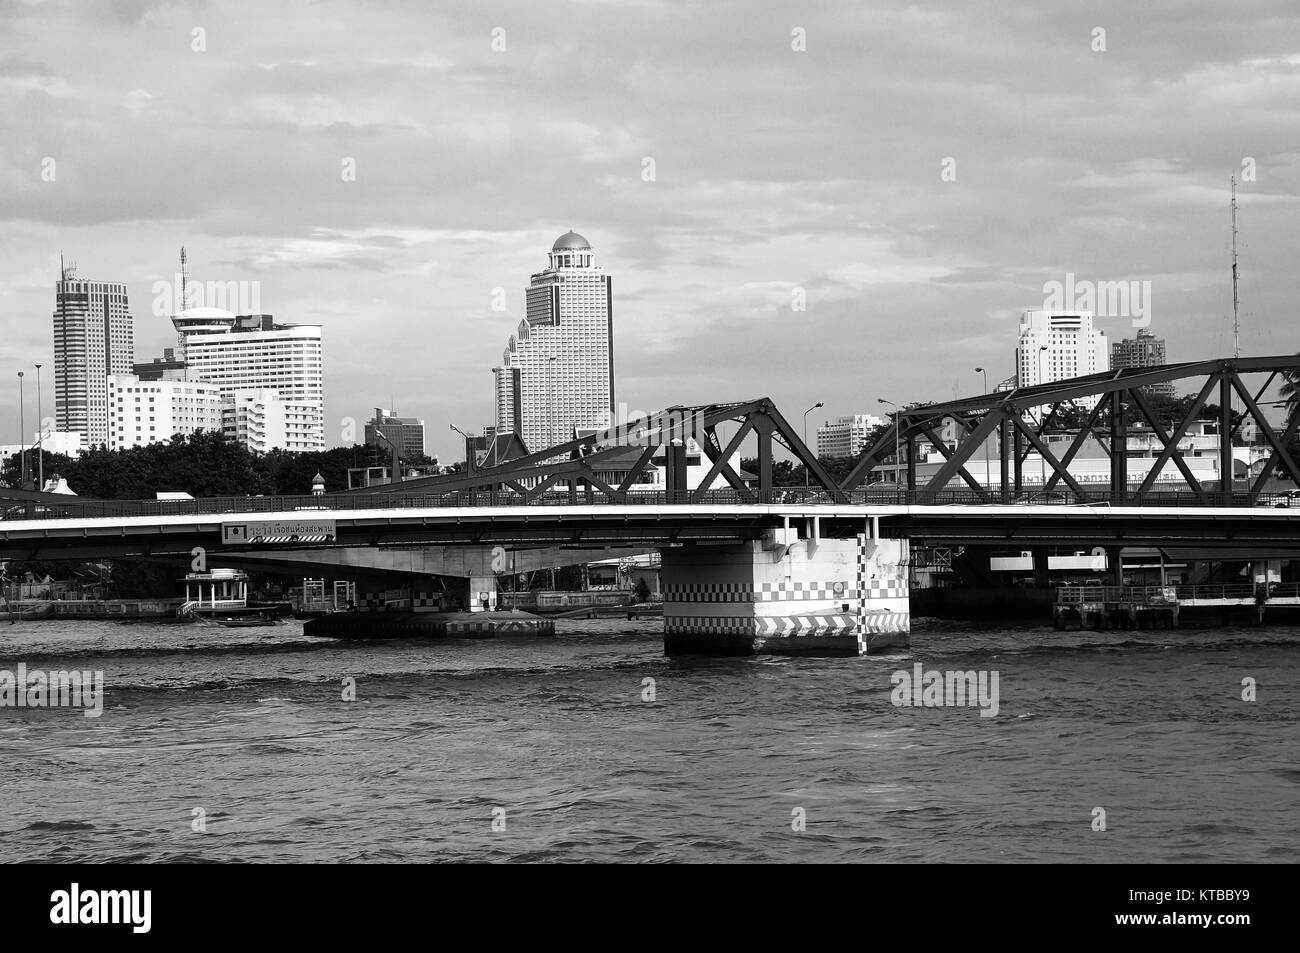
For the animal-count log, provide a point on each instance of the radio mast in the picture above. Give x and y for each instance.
(1236, 322)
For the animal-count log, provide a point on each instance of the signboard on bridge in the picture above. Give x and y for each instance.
(290, 532)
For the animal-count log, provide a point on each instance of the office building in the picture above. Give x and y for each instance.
(387, 429)
(93, 338)
(145, 412)
(251, 352)
(1058, 345)
(556, 376)
(262, 420)
(1145, 350)
(845, 436)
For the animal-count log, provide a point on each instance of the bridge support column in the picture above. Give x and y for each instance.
(787, 596)
(482, 589)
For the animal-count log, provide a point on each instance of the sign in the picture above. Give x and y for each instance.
(278, 531)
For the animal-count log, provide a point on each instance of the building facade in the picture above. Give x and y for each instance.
(1058, 345)
(1145, 350)
(145, 412)
(845, 436)
(406, 432)
(262, 420)
(557, 372)
(252, 353)
(94, 337)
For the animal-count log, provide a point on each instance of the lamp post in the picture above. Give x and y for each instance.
(897, 455)
(988, 477)
(40, 428)
(22, 439)
(469, 448)
(805, 438)
(397, 468)
(550, 411)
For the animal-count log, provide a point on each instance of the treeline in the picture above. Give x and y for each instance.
(204, 464)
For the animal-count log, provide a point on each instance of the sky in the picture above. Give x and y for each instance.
(831, 201)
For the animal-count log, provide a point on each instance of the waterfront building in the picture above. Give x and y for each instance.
(145, 412)
(387, 429)
(556, 376)
(93, 338)
(845, 436)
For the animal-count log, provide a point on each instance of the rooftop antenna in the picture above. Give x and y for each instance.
(1236, 322)
(184, 298)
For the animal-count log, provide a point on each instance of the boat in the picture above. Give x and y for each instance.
(244, 622)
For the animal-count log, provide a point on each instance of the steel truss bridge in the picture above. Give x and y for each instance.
(587, 491)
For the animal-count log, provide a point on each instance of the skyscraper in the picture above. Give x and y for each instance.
(93, 338)
(1058, 345)
(557, 372)
(1145, 350)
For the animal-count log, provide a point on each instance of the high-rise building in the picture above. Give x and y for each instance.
(1058, 345)
(557, 372)
(93, 338)
(845, 436)
(406, 432)
(1145, 350)
(262, 420)
(251, 352)
(144, 412)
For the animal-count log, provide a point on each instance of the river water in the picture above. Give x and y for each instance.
(550, 749)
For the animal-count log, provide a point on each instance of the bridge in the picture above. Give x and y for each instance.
(747, 564)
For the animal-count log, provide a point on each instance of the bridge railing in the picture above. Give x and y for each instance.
(880, 495)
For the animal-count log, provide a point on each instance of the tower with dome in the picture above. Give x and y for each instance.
(556, 376)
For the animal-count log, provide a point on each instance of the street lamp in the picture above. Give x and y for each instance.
(988, 477)
(22, 429)
(397, 467)
(40, 427)
(897, 455)
(805, 437)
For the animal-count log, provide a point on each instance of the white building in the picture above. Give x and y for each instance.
(557, 371)
(252, 353)
(845, 436)
(261, 420)
(144, 412)
(93, 338)
(1057, 345)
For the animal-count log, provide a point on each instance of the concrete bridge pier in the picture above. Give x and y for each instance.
(786, 595)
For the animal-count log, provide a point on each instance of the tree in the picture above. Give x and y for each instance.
(641, 590)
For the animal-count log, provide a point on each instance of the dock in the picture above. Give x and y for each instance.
(1161, 607)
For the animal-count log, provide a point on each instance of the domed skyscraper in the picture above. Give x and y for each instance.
(557, 373)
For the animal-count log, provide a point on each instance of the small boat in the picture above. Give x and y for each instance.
(245, 622)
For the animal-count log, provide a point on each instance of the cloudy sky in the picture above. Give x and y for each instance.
(919, 171)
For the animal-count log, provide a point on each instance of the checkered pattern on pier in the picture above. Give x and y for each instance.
(767, 592)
